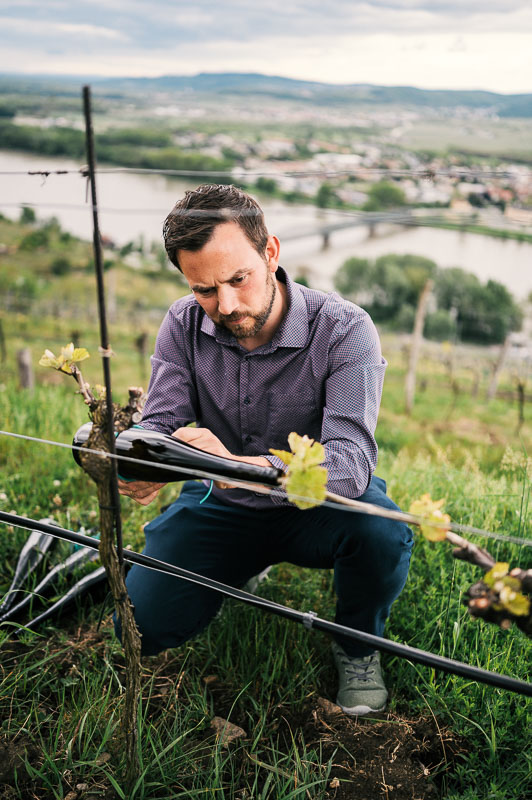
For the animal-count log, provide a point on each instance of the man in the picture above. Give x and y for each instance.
(251, 356)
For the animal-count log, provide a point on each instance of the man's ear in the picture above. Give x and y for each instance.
(273, 247)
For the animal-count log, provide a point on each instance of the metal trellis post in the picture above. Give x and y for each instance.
(104, 336)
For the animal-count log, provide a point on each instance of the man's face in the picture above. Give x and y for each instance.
(231, 281)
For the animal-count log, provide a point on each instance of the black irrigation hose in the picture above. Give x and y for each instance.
(308, 619)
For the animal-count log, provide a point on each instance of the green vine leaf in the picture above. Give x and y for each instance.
(515, 602)
(431, 511)
(496, 573)
(305, 477)
(63, 362)
(284, 455)
(507, 587)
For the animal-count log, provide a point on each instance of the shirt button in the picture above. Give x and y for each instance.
(247, 400)
(247, 439)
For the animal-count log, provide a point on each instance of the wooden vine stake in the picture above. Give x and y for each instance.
(100, 470)
(108, 419)
(415, 346)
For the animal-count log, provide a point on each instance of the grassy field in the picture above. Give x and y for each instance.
(443, 736)
(501, 138)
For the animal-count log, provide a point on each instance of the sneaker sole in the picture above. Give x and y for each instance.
(360, 711)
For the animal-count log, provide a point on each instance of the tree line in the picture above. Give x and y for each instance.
(461, 306)
(138, 147)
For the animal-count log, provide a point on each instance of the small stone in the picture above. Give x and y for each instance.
(103, 758)
(208, 680)
(334, 784)
(71, 796)
(328, 707)
(82, 787)
(226, 731)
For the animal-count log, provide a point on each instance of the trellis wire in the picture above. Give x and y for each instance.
(368, 508)
(237, 174)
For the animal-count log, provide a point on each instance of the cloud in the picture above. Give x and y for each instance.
(164, 23)
(458, 45)
(301, 38)
(40, 28)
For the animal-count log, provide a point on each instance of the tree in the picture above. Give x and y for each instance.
(326, 197)
(441, 326)
(383, 195)
(35, 240)
(388, 288)
(27, 215)
(60, 266)
(398, 281)
(354, 276)
(484, 313)
(266, 185)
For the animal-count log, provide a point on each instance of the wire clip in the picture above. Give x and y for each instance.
(105, 352)
(308, 619)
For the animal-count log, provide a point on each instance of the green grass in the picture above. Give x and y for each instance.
(484, 230)
(61, 688)
(503, 138)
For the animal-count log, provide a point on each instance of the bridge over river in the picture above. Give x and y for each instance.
(370, 219)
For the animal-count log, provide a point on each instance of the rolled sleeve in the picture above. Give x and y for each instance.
(172, 395)
(353, 395)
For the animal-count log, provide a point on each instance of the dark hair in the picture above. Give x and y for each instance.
(191, 222)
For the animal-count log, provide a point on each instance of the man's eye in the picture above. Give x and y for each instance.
(203, 292)
(241, 279)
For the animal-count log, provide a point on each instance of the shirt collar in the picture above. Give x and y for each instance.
(293, 330)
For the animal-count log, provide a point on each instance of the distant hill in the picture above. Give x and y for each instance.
(310, 92)
(517, 105)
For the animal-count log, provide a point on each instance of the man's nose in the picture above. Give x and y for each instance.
(227, 300)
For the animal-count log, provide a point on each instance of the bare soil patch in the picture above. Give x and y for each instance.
(386, 756)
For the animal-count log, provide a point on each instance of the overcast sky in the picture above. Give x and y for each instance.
(458, 44)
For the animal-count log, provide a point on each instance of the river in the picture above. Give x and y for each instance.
(136, 205)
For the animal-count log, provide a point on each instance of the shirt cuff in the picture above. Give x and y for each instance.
(278, 495)
(275, 461)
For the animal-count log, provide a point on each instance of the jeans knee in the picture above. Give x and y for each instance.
(160, 632)
(390, 542)
(151, 644)
(381, 543)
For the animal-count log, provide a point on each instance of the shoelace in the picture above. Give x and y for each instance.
(359, 671)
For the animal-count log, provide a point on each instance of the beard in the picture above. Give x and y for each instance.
(259, 319)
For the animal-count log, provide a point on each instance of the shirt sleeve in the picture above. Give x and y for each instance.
(172, 398)
(352, 400)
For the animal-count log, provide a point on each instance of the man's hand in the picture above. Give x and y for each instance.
(204, 439)
(141, 491)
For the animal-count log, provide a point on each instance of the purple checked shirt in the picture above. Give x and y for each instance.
(320, 375)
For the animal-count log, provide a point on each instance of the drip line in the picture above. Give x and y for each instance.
(309, 619)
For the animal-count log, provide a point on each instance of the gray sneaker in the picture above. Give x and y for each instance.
(361, 688)
(253, 584)
(250, 586)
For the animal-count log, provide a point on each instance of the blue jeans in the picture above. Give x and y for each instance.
(370, 557)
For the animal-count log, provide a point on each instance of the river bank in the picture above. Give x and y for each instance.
(133, 207)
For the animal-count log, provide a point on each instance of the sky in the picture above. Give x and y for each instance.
(434, 44)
